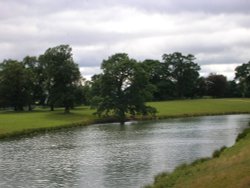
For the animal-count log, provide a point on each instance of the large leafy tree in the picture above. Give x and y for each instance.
(242, 75)
(184, 73)
(15, 79)
(122, 88)
(62, 76)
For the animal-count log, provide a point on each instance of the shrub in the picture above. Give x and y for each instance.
(217, 153)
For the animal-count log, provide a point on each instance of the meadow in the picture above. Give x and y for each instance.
(41, 119)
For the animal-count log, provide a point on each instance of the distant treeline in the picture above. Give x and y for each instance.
(53, 79)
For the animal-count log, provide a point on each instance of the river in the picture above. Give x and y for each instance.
(111, 155)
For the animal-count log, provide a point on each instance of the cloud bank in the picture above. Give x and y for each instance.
(216, 32)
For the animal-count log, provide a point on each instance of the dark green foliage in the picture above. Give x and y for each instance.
(62, 76)
(122, 88)
(15, 88)
(160, 176)
(160, 77)
(217, 85)
(243, 134)
(52, 79)
(37, 78)
(202, 87)
(242, 75)
(217, 153)
(199, 161)
(233, 90)
(184, 73)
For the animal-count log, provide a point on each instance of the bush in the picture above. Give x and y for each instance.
(198, 161)
(217, 153)
(242, 135)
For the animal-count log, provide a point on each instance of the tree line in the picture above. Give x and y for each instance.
(53, 79)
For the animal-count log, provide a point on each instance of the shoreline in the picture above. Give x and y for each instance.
(185, 172)
(37, 131)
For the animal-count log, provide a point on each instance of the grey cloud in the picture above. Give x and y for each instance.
(32, 7)
(215, 31)
(170, 6)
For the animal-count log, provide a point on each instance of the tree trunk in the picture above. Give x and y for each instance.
(67, 109)
(30, 108)
(122, 117)
(51, 107)
(122, 122)
(19, 108)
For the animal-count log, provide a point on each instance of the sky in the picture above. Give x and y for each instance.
(216, 32)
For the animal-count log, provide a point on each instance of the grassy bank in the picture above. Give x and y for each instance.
(198, 107)
(12, 123)
(229, 168)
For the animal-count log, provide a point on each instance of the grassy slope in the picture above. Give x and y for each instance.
(11, 122)
(231, 169)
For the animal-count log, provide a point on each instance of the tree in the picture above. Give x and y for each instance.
(233, 89)
(38, 91)
(160, 77)
(62, 76)
(14, 84)
(122, 88)
(184, 73)
(202, 87)
(242, 75)
(217, 85)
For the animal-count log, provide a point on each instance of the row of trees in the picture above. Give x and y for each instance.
(177, 76)
(53, 79)
(125, 84)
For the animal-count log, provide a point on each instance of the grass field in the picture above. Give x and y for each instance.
(12, 123)
(230, 169)
(201, 107)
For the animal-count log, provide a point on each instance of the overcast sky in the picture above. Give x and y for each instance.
(217, 32)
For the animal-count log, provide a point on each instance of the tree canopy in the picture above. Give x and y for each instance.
(15, 84)
(217, 85)
(242, 75)
(123, 88)
(62, 75)
(184, 73)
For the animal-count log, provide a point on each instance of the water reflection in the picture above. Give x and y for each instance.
(112, 155)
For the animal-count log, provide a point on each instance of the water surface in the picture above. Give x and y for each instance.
(110, 155)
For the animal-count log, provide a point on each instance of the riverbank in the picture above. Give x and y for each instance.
(42, 120)
(229, 168)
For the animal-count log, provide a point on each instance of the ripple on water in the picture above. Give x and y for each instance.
(110, 155)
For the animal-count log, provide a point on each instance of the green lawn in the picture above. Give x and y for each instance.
(14, 123)
(201, 107)
(230, 170)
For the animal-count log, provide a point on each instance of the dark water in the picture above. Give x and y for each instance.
(111, 155)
